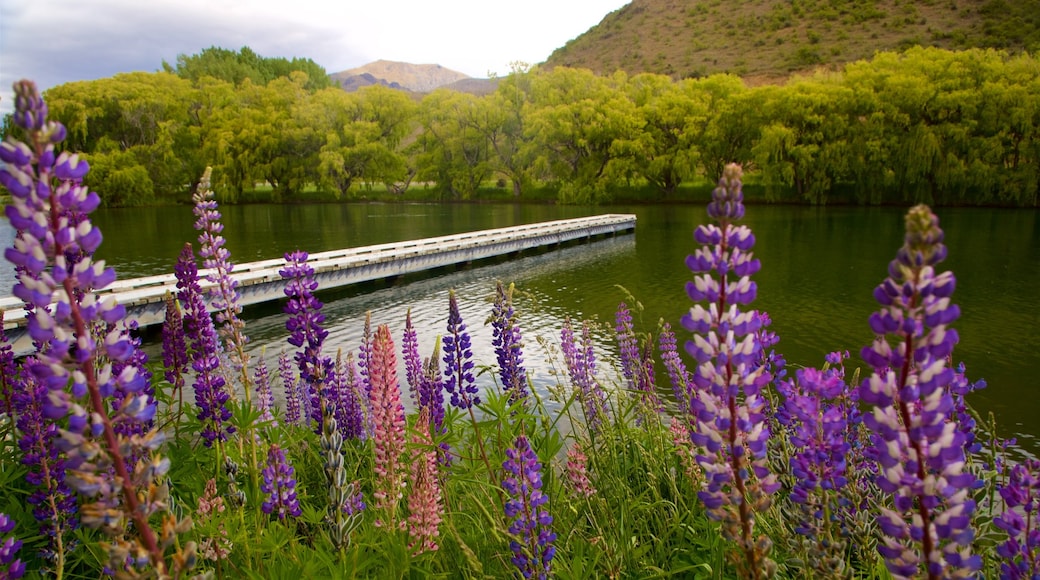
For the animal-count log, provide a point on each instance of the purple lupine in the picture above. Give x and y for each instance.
(431, 396)
(412, 359)
(76, 368)
(10, 566)
(223, 292)
(508, 344)
(678, 376)
(637, 365)
(280, 485)
(211, 393)
(816, 405)
(532, 543)
(1021, 521)
(138, 360)
(305, 331)
(729, 409)
(264, 396)
(54, 503)
(960, 388)
(291, 389)
(580, 360)
(458, 359)
(174, 351)
(7, 371)
(350, 409)
(919, 442)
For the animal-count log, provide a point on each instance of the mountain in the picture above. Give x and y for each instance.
(419, 78)
(770, 39)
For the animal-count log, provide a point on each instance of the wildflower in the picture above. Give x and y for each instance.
(729, 409)
(174, 351)
(458, 359)
(344, 515)
(350, 410)
(305, 330)
(211, 506)
(508, 344)
(678, 376)
(223, 293)
(279, 485)
(412, 360)
(264, 397)
(532, 543)
(577, 472)
(291, 389)
(49, 207)
(581, 366)
(388, 424)
(637, 366)
(431, 396)
(919, 443)
(424, 501)
(1021, 494)
(211, 393)
(10, 566)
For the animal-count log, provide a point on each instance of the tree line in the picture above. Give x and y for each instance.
(925, 125)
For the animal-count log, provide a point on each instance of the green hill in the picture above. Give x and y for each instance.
(769, 39)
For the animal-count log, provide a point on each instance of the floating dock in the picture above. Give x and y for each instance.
(144, 298)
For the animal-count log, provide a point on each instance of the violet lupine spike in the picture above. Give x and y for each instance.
(425, 506)
(264, 396)
(508, 344)
(678, 376)
(10, 566)
(637, 365)
(54, 503)
(305, 331)
(530, 521)
(729, 409)
(46, 189)
(279, 483)
(388, 429)
(1021, 522)
(223, 293)
(431, 396)
(291, 389)
(7, 371)
(211, 393)
(458, 359)
(960, 388)
(580, 360)
(174, 350)
(412, 359)
(919, 442)
(350, 408)
(138, 360)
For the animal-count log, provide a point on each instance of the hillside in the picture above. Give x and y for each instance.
(768, 39)
(419, 78)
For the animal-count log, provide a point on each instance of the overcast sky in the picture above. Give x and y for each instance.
(57, 41)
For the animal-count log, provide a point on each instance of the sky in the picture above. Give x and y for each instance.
(59, 41)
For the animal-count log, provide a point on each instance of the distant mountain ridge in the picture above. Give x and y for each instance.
(418, 78)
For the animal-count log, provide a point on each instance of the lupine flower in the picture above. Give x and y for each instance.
(1021, 521)
(508, 344)
(919, 443)
(729, 409)
(960, 388)
(458, 359)
(10, 566)
(530, 521)
(581, 366)
(431, 396)
(211, 506)
(686, 451)
(264, 396)
(412, 359)
(211, 393)
(138, 360)
(76, 368)
(7, 371)
(291, 389)
(637, 366)
(279, 485)
(223, 292)
(577, 472)
(678, 376)
(342, 518)
(350, 410)
(305, 330)
(54, 504)
(388, 423)
(424, 501)
(174, 351)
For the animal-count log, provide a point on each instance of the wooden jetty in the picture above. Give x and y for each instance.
(260, 282)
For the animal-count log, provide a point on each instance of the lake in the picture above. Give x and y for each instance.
(819, 268)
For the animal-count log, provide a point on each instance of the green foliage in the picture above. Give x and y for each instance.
(237, 67)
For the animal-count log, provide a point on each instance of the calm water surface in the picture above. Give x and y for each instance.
(819, 268)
